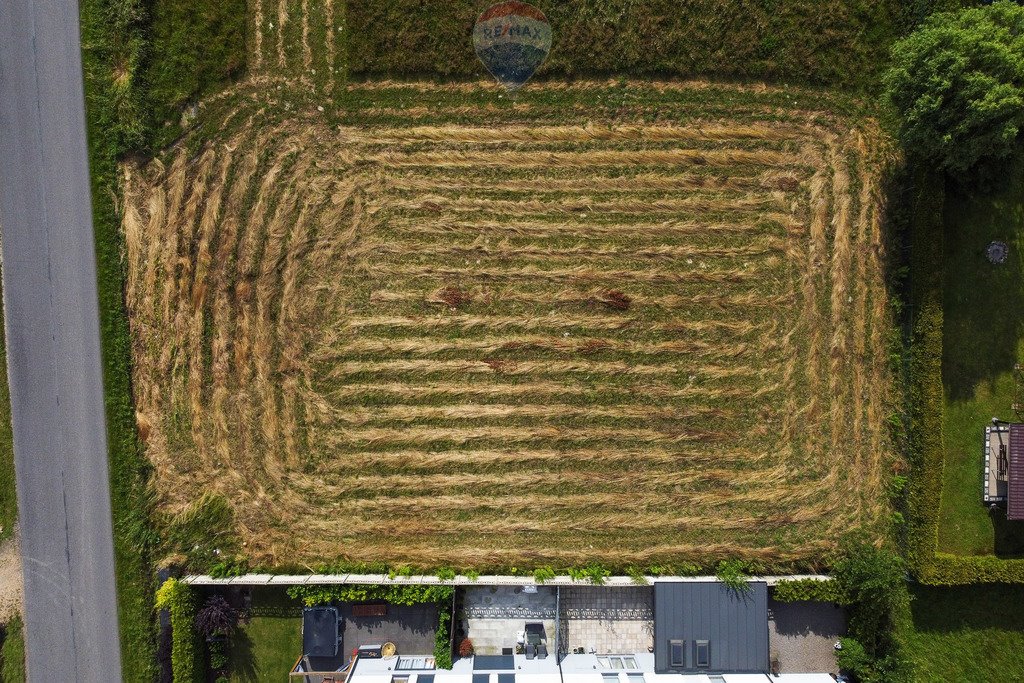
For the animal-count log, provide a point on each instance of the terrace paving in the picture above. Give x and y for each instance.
(607, 620)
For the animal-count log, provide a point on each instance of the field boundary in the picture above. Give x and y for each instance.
(461, 580)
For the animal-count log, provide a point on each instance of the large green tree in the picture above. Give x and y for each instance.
(958, 85)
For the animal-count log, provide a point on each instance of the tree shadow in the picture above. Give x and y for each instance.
(1008, 535)
(958, 608)
(243, 664)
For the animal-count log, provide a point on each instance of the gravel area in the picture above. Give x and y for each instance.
(802, 635)
(11, 584)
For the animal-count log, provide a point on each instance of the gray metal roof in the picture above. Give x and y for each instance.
(1015, 474)
(734, 624)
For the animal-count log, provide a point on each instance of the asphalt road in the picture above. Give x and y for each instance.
(50, 304)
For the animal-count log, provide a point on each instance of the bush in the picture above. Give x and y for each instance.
(216, 618)
(594, 573)
(958, 85)
(873, 583)
(218, 650)
(443, 636)
(466, 648)
(853, 659)
(808, 589)
(733, 574)
(542, 574)
(179, 599)
(325, 594)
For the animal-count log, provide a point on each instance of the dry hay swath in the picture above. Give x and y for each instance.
(454, 332)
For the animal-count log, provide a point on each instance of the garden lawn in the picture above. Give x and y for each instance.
(265, 648)
(969, 633)
(983, 338)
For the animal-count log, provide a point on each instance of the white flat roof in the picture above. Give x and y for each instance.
(781, 678)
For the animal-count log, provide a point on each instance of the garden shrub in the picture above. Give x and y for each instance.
(733, 574)
(325, 594)
(186, 656)
(794, 590)
(216, 618)
(594, 573)
(443, 636)
(542, 574)
(873, 583)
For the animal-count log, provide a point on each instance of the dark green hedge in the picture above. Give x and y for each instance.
(796, 40)
(795, 590)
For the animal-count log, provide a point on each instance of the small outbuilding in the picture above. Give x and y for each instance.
(708, 627)
(1004, 468)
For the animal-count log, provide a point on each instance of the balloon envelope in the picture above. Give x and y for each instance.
(512, 39)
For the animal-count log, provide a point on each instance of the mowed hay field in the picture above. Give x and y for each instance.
(626, 323)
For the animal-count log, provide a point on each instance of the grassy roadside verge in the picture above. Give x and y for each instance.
(111, 43)
(12, 653)
(8, 499)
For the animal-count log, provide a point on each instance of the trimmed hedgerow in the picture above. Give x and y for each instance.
(925, 398)
(443, 636)
(186, 654)
(325, 594)
(794, 590)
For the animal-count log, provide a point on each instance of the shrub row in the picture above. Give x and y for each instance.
(443, 635)
(809, 589)
(186, 654)
(312, 595)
